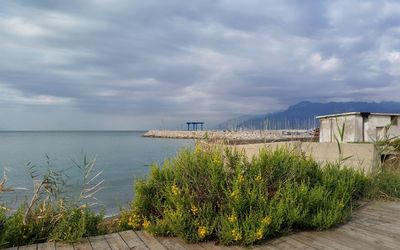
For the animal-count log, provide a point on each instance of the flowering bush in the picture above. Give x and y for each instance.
(218, 194)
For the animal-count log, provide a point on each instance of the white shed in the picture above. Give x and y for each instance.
(359, 126)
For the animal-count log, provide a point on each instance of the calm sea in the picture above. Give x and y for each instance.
(121, 155)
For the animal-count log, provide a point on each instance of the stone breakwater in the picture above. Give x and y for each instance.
(250, 136)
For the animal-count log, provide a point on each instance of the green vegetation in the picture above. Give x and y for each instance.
(48, 222)
(47, 216)
(386, 183)
(209, 195)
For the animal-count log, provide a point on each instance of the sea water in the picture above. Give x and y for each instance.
(122, 156)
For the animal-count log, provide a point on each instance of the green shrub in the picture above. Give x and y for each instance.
(75, 223)
(49, 222)
(216, 194)
(47, 216)
(3, 216)
(385, 184)
(15, 233)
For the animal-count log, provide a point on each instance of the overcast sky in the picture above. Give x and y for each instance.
(107, 64)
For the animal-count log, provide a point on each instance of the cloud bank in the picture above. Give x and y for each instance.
(154, 64)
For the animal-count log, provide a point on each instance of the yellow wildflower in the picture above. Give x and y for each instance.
(258, 177)
(198, 148)
(134, 220)
(175, 190)
(232, 218)
(259, 234)
(267, 220)
(202, 232)
(146, 223)
(236, 235)
(235, 194)
(194, 209)
(240, 178)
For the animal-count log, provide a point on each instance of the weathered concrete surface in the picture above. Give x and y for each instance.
(362, 156)
(359, 128)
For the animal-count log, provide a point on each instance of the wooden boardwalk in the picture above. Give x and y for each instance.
(374, 226)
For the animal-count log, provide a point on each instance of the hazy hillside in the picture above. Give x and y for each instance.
(301, 115)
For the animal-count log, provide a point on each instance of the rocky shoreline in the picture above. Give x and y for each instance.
(234, 137)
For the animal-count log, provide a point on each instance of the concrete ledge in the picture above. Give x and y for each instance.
(363, 157)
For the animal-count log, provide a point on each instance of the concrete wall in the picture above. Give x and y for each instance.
(357, 128)
(375, 127)
(363, 156)
(329, 128)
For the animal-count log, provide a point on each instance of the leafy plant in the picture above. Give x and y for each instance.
(75, 223)
(49, 214)
(216, 193)
(339, 140)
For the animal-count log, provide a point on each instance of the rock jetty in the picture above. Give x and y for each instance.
(247, 136)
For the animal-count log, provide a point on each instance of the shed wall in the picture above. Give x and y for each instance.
(375, 128)
(329, 128)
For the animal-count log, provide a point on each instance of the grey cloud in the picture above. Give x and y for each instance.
(175, 60)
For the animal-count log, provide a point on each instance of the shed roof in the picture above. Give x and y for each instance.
(357, 113)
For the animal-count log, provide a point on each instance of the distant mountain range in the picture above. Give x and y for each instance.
(302, 115)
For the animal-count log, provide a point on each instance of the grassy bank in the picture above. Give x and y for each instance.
(209, 193)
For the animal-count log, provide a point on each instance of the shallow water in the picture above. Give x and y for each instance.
(121, 155)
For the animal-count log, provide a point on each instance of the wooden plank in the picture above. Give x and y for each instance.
(115, 241)
(28, 247)
(312, 241)
(285, 245)
(390, 230)
(393, 206)
(46, 246)
(84, 244)
(191, 245)
(214, 246)
(172, 243)
(371, 220)
(297, 244)
(211, 246)
(383, 212)
(370, 237)
(264, 247)
(331, 240)
(383, 209)
(268, 245)
(64, 246)
(151, 242)
(99, 243)
(141, 247)
(374, 217)
(380, 218)
(368, 222)
(384, 206)
(131, 239)
(351, 241)
(385, 228)
(276, 243)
